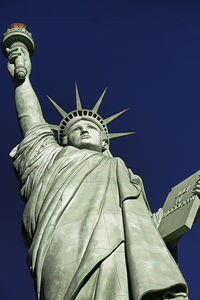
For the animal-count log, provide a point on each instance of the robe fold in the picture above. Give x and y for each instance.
(88, 225)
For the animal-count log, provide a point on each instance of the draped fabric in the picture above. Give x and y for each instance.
(87, 225)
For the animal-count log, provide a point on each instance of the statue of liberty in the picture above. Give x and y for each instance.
(87, 223)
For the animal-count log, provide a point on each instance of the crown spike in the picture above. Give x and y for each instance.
(78, 101)
(97, 105)
(111, 118)
(61, 111)
(115, 135)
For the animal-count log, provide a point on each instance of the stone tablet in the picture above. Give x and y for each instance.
(180, 210)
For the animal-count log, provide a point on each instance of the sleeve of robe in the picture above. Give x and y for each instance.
(32, 156)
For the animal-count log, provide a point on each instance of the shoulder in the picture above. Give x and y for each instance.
(37, 139)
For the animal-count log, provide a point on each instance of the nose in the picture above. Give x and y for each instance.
(84, 131)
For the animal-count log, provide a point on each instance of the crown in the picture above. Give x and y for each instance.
(85, 114)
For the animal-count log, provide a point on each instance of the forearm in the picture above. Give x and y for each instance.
(27, 106)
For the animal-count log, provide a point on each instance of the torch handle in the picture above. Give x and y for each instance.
(20, 69)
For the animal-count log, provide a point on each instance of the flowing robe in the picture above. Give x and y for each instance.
(88, 226)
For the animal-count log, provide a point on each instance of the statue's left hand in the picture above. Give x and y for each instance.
(157, 217)
(175, 296)
(196, 189)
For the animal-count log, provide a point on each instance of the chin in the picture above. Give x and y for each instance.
(89, 146)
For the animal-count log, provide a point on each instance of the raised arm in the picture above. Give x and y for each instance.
(28, 107)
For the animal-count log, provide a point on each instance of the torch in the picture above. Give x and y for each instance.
(18, 36)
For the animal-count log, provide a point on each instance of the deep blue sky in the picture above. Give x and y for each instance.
(148, 55)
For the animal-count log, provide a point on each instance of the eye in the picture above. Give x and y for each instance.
(76, 129)
(92, 127)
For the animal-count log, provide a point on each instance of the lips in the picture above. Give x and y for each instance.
(85, 136)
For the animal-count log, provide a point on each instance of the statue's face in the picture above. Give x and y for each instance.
(85, 134)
